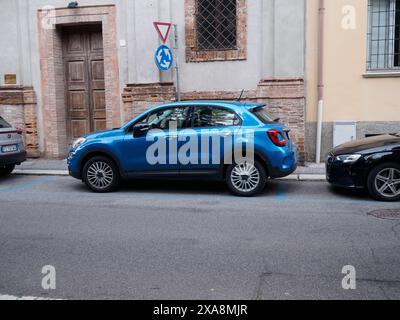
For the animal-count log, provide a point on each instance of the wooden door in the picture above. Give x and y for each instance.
(85, 87)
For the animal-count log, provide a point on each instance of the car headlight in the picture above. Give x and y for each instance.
(348, 158)
(78, 142)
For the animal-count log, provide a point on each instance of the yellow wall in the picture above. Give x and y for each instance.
(348, 95)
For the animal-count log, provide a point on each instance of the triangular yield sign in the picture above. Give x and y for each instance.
(163, 30)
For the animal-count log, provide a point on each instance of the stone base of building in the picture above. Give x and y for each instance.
(364, 129)
(18, 107)
(285, 99)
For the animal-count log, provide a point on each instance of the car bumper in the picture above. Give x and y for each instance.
(73, 165)
(279, 173)
(342, 175)
(74, 174)
(14, 158)
(287, 166)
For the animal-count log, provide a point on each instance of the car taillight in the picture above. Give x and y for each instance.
(19, 130)
(277, 137)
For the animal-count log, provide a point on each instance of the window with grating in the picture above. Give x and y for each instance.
(383, 34)
(216, 24)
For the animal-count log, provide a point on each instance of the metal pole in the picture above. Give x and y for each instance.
(176, 49)
(321, 48)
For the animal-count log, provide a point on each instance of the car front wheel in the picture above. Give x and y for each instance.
(246, 179)
(384, 182)
(101, 175)
(6, 170)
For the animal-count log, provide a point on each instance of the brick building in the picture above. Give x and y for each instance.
(66, 71)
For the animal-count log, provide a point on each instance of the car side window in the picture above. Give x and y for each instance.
(163, 119)
(209, 116)
(4, 123)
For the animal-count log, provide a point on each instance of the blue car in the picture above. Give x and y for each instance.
(230, 141)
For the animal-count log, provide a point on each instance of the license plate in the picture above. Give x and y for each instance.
(7, 149)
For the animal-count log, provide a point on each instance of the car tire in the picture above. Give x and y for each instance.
(101, 175)
(250, 183)
(380, 182)
(6, 170)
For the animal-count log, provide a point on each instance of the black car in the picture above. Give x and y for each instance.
(372, 163)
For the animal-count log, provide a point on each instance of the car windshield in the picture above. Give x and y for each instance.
(4, 123)
(263, 115)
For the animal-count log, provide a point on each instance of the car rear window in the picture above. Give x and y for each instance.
(263, 115)
(4, 123)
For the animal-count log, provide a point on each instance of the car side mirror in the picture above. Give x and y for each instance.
(141, 130)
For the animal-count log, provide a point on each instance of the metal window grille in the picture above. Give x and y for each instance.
(383, 34)
(216, 24)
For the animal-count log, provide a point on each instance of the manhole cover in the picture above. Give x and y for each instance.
(389, 214)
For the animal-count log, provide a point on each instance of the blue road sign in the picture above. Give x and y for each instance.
(164, 58)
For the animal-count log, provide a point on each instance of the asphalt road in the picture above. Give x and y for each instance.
(173, 240)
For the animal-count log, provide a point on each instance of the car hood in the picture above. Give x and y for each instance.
(101, 134)
(367, 145)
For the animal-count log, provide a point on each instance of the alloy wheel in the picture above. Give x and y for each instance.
(100, 175)
(245, 177)
(387, 182)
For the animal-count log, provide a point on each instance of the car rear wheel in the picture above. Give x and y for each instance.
(101, 175)
(384, 182)
(6, 170)
(246, 179)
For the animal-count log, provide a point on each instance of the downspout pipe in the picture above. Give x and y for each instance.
(321, 38)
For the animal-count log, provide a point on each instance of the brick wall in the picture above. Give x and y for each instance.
(285, 99)
(140, 97)
(18, 107)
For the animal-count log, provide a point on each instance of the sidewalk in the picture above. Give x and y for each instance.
(43, 167)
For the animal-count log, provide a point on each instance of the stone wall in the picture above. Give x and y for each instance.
(18, 107)
(285, 99)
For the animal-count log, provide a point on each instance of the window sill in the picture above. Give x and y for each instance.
(382, 74)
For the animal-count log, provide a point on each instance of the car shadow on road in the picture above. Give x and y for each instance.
(350, 193)
(282, 190)
(185, 187)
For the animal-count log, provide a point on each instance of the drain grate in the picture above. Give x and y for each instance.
(388, 214)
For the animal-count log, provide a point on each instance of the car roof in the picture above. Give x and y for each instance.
(229, 104)
(233, 105)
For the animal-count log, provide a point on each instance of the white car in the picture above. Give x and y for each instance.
(12, 151)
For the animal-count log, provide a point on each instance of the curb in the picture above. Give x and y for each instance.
(17, 298)
(305, 177)
(41, 172)
(293, 177)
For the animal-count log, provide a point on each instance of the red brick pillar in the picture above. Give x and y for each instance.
(18, 107)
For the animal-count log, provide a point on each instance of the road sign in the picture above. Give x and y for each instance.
(163, 30)
(164, 58)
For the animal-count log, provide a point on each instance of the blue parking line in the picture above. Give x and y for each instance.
(281, 193)
(26, 186)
